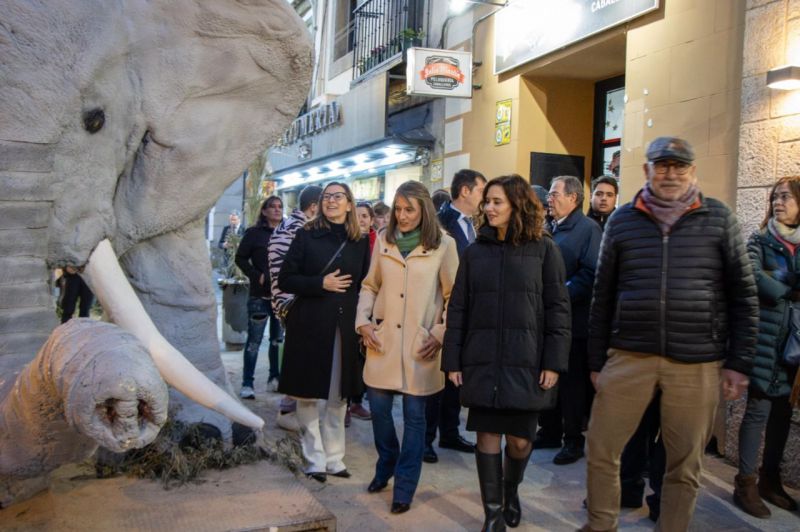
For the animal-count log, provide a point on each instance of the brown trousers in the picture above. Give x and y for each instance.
(690, 394)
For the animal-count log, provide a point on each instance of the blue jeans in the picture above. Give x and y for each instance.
(403, 463)
(259, 311)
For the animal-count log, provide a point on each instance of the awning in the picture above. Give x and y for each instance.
(363, 160)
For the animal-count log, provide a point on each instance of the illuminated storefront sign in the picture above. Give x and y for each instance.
(527, 30)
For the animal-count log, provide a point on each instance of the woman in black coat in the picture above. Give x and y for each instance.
(324, 266)
(507, 338)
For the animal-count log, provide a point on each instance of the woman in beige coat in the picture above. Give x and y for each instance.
(400, 317)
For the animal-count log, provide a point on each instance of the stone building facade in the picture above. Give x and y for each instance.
(769, 148)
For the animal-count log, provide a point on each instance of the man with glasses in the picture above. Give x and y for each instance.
(578, 238)
(674, 310)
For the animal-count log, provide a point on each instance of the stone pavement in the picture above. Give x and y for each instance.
(448, 498)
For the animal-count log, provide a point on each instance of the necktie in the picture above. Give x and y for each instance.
(470, 230)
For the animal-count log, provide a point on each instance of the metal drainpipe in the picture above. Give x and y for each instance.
(475, 64)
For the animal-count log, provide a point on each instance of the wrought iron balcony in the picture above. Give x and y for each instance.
(383, 30)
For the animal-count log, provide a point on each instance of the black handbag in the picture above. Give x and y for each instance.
(283, 311)
(791, 349)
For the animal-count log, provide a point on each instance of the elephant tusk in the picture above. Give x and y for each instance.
(104, 276)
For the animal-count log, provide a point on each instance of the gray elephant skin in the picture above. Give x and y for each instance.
(124, 120)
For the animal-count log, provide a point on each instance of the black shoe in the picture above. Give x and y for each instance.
(429, 456)
(344, 473)
(376, 485)
(546, 443)
(319, 477)
(457, 444)
(400, 507)
(654, 502)
(568, 454)
(630, 500)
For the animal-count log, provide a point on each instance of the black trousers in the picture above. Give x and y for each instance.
(574, 396)
(75, 288)
(442, 411)
(644, 452)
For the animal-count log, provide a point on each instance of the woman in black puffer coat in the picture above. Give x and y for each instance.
(774, 251)
(507, 338)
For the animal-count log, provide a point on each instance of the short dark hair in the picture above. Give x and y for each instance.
(464, 178)
(309, 196)
(608, 180)
(440, 197)
(380, 208)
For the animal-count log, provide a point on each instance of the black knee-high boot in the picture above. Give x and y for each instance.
(513, 473)
(490, 477)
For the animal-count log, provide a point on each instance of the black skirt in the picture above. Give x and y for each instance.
(519, 423)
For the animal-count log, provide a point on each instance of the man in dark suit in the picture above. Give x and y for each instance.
(578, 238)
(234, 227)
(443, 408)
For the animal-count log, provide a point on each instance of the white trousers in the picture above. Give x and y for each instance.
(322, 422)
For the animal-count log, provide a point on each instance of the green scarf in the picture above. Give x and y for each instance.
(406, 242)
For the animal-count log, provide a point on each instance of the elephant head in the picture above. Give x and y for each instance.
(124, 122)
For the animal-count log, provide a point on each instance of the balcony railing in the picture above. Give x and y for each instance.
(384, 28)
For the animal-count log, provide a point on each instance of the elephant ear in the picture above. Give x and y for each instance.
(216, 94)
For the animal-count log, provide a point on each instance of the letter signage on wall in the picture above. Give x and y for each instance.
(433, 72)
(314, 121)
(528, 30)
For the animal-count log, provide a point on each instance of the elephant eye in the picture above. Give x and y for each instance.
(93, 120)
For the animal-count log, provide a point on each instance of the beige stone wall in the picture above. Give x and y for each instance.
(683, 78)
(769, 147)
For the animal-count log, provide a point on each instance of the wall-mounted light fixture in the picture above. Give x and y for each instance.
(784, 78)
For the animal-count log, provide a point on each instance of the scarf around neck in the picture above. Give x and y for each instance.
(784, 232)
(406, 242)
(667, 212)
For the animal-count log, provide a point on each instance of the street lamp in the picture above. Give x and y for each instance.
(459, 6)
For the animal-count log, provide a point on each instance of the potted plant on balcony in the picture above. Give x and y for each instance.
(411, 37)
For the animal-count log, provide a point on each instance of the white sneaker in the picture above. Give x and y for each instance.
(272, 385)
(247, 393)
(288, 421)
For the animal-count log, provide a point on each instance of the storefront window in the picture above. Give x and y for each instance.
(610, 118)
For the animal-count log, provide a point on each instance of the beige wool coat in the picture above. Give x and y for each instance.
(406, 299)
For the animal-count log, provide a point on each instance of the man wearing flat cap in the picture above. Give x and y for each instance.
(674, 309)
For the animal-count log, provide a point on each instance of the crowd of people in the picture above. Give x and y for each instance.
(613, 333)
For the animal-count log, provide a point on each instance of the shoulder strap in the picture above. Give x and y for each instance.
(333, 257)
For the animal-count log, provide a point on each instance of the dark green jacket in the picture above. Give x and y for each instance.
(776, 274)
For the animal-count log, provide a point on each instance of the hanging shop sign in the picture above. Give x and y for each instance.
(502, 123)
(314, 121)
(525, 31)
(432, 72)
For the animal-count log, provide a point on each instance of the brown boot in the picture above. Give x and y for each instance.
(745, 496)
(771, 489)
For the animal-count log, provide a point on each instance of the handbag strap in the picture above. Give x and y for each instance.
(333, 257)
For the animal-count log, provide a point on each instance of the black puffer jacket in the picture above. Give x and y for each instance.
(508, 319)
(689, 295)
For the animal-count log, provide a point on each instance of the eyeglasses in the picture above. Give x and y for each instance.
(662, 167)
(556, 195)
(784, 197)
(336, 196)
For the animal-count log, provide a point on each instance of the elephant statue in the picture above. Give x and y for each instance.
(121, 124)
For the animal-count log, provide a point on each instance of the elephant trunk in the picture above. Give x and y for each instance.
(91, 383)
(106, 279)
